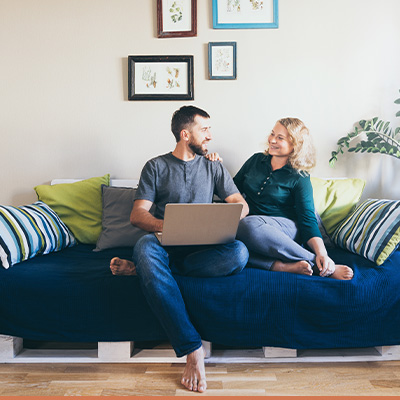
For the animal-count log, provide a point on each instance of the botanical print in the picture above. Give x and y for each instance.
(222, 61)
(233, 6)
(257, 4)
(172, 78)
(148, 78)
(176, 11)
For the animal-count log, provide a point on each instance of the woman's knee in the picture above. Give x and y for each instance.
(249, 227)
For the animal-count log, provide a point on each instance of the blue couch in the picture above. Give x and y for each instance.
(71, 296)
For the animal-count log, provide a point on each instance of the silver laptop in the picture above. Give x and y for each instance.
(199, 224)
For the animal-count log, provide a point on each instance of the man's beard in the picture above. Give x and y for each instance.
(197, 149)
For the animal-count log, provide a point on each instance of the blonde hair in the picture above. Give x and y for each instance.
(303, 155)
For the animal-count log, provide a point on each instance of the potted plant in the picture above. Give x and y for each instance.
(376, 137)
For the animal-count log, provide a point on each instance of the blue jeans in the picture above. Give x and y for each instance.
(272, 238)
(155, 265)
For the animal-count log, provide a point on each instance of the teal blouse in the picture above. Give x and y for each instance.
(280, 193)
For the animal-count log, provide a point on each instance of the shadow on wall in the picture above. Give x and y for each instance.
(381, 173)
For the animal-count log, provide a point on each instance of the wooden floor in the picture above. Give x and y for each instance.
(303, 379)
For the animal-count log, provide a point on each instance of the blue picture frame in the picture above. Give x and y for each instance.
(248, 22)
(226, 68)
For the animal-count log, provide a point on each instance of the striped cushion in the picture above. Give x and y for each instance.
(30, 230)
(372, 230)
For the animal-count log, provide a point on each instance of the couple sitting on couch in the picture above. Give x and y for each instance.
(279, 201)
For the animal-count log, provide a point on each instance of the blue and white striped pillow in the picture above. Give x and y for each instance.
(372, 230)
(31, 230)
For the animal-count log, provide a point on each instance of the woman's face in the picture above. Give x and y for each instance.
(279, 142)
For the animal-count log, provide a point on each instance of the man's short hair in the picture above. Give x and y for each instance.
(184, 119)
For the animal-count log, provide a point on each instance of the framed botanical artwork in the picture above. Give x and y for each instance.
(176, 18)
(160, 78)
(222, 60)
(245, 14)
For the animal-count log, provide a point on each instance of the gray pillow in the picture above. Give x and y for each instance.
(325, 237)
(117, 228)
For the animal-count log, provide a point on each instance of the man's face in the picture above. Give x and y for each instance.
(200, 135)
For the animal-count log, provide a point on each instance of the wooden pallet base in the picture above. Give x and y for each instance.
(13, 351)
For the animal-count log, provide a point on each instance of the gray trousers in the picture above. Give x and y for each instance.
(271, 238)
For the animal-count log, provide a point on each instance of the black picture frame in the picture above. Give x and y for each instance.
(160, 77)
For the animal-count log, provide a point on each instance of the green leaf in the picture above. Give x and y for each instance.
(383, 150)
(374, 120)
(398, 114)
(397, 130)
(385, 128)
(397, 101)
(362, 123)
(351, 149)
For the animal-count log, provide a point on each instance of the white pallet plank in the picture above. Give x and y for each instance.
(115, 351)
(207, 346)
(11, 351)
(10, 346)
(389, 350)
(279, 352)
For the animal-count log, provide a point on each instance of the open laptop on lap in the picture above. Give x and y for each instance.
(199, 224)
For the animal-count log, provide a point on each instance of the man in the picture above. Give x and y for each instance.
(181, 176)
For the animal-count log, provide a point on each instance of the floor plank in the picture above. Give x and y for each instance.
(301, 379)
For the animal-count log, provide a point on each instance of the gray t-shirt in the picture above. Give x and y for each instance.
(167, 179)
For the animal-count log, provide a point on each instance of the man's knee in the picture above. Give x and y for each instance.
(146, 253)
(242, 256)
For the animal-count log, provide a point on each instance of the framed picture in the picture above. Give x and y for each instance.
(222, 60)
(160, 78)
(176, 18)
(245, 14)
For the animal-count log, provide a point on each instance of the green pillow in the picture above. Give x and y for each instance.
(78, 204)
(335, 199)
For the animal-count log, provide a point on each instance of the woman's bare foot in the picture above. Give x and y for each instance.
(119, 266)
(342, 272)
(299, 267)
(194, 374)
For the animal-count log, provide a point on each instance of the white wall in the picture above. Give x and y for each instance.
(63, 87)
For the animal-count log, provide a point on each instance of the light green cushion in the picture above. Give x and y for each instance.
(78, 204)
(335, 199)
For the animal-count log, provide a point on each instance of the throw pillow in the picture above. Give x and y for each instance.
(372, 230)
(325, 237)
(78, 205)
(117, 229)
(334, 199)
(30, 230)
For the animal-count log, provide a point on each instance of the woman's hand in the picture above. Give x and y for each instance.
(323, 262)
(325, 265)
(214, 157)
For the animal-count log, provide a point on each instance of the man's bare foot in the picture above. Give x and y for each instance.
(194, 374)
(119, 266)
(342, 272)
(299, 267)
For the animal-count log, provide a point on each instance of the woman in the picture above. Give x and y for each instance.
(282, 217)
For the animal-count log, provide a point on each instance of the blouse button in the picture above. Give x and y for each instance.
(258, 193)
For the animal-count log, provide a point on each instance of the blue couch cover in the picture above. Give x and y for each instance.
(71, 296)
